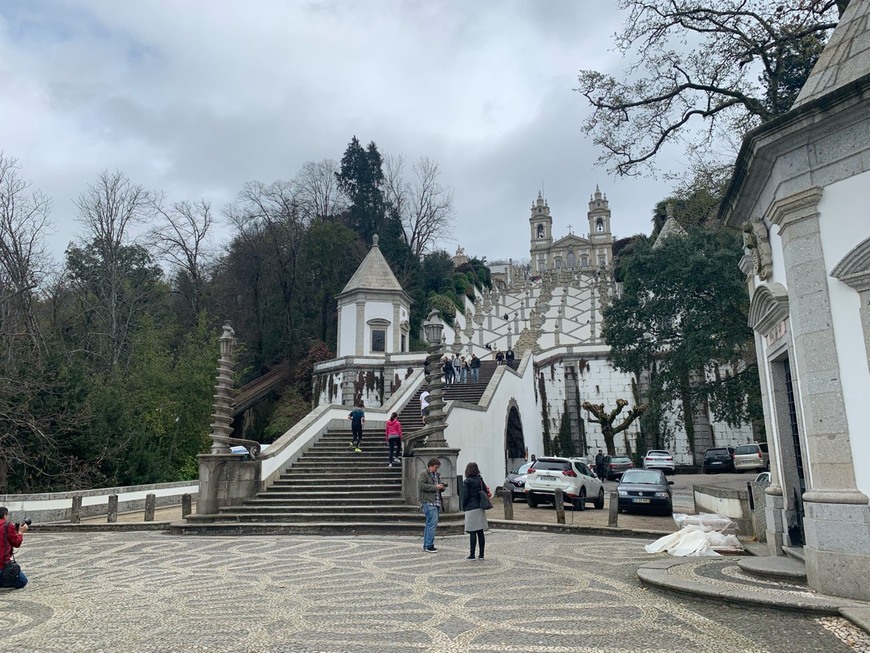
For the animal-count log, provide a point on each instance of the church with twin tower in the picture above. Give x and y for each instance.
(570, 252)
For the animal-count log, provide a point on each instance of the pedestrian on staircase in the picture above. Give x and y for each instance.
(475, 368)
(429, 488)
(457, 368)
(357, 418)
(394, 437)
(448, 371)
(424, 405)
(463, 369)
(475, 515)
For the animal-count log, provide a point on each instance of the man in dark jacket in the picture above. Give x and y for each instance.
(599, 464)
(10, 538)
(429, 488)
(475, 368)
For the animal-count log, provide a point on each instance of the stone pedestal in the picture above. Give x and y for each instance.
(225, 480)
(837, 550)
(416, 464)
(774, 518)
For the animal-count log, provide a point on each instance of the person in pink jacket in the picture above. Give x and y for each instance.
(394, 437)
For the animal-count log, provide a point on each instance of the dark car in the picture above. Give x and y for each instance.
(618, 465)
(515, 481)
(645, 489)
(719, 459)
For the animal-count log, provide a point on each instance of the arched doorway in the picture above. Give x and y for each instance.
(514, 441)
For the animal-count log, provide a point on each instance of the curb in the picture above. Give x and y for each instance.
(539, 527)
(657, 574)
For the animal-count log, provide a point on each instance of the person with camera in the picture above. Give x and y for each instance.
(429, 488)
(11, 536)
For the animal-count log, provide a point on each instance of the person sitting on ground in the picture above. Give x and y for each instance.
(10, 538)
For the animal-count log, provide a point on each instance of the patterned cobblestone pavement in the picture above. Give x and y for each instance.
(145, 592)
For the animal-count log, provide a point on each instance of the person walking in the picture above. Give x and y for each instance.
(599, 464)
(475, 515)
(10, 537)
(463, 369)
(448, 371)
(429, 488)
(394, 437)
(509, 357)
(499, 357)
(424, 405)
(475, 368)
(357, 418)
(457, 368)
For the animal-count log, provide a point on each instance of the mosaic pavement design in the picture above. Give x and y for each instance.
(148, 592)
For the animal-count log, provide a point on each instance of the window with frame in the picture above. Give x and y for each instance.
(379, 340)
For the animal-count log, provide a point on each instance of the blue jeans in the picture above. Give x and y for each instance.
(464, 375)
(431, 512)
(21, 582)
(475, 374)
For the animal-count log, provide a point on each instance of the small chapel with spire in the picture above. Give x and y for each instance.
(571, 252)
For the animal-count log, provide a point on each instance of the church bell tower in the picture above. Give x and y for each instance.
(599, 219)
(541, 226)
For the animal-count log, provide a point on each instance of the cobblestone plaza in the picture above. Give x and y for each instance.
(147, 592)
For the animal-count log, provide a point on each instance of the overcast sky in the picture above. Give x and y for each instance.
(195, 97)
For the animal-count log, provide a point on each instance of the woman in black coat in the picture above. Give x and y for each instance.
(475, 516)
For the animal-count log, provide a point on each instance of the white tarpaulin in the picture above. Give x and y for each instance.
(699, 535)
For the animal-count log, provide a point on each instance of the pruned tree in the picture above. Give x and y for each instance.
(181, 238)
(423, 205)
(715, 68)
(605, 419)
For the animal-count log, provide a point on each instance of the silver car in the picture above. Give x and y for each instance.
(751, 456)
(515, 481)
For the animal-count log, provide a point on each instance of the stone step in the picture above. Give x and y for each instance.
(218, 528)
(361, 483)
(369, 511)
(414, 516)
(795, 552)
(313, 502)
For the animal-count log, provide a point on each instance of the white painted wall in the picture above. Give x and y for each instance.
(480, 433)
(347, 335)
(844, 223)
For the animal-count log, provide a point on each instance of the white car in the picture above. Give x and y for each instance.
(659, 459)
(578, 483)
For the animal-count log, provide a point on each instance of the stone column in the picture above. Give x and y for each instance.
(836, 551)
(224, 477)
(360, 335)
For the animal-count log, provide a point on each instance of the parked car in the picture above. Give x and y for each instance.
(659, 459)
(618, 465)
(645, 489)
(763, 477)
(515, 481)
(719, 459)
(750, 456)
(578, 483)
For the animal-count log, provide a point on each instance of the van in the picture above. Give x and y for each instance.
(751, 457)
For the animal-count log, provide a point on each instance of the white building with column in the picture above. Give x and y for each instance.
(373, 310)
(800, 193)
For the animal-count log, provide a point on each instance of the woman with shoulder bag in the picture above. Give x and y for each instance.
(475, 502)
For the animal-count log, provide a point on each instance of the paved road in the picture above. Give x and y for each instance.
(151, 593)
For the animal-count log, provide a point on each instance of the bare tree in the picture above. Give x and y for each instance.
(24, 220)
(422, 203)
(113, 275)
(723, 66)
(270, 219)
(318, 193)
(182, 240)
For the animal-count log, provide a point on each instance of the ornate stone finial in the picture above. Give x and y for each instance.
(375, 240)
(669, 210)
(757, 240)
